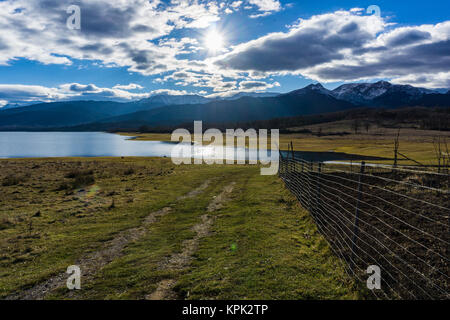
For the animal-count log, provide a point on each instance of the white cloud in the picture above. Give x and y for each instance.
(24, 94)
(266, 5)
(28, 93)
(260, 15)
(357, 10)
(117, 33)
(429, 80)
(137, 34)
(344, 46)
(131, 86)
(236, 4)
(169, 92)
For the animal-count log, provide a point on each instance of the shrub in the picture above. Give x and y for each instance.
(12, 180)
(79, 178)
(78, 173)
(81, 181)
(129, 171)
(5, 223)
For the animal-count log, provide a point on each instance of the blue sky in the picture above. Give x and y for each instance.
(128, 50)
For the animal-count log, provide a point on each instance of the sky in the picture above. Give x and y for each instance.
(126, 50)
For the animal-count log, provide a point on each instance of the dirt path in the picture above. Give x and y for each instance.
(183, 259)
(111, 250)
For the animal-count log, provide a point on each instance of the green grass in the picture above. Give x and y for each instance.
(262, 244)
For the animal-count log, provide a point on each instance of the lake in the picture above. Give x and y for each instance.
(100, 144)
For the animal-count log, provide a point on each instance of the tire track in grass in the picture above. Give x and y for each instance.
(182, 260)
(111, 250)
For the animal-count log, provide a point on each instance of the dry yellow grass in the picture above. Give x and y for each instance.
(378, 142)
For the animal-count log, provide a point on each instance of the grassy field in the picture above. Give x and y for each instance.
(144, 228)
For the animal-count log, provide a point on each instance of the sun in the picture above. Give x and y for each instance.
(214, 41)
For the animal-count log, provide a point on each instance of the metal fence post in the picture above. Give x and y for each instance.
(292, 150)
(310, 198)
(281, 164)
(302, 183)
(319, 170)
(356, 223)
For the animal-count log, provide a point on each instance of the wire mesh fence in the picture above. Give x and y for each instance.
(394, 218)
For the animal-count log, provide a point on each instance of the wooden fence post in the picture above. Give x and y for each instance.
(356, 223)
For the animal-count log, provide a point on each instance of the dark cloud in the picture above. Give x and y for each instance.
(227, 85)
(408, 37)
(3, 45)
(349, 28)
(97, 19)
(83, 88)
(289, 53)
(361, 51)
(180, 75)
(144, 59)
(339, 47)
(97, 47)
(142, 28)
(303, 48)
(99, 95)
(424, 58)
(252, 84)
(106, 21)
(140, 58)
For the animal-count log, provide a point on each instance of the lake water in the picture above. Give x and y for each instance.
(95, 144)
(99, 144)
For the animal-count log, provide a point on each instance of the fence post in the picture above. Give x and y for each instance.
(356, 223)
(281, 163)
(319, 170)
(292, 150)
(310, 191)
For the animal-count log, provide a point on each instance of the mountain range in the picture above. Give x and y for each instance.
(170, 110)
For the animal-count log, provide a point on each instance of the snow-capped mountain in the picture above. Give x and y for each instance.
(379, 93)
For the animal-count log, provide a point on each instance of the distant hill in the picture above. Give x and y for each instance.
(305, 102)
(168, 110)
(251, 94)
(71, 113)
(166, 100)
(59, 114)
